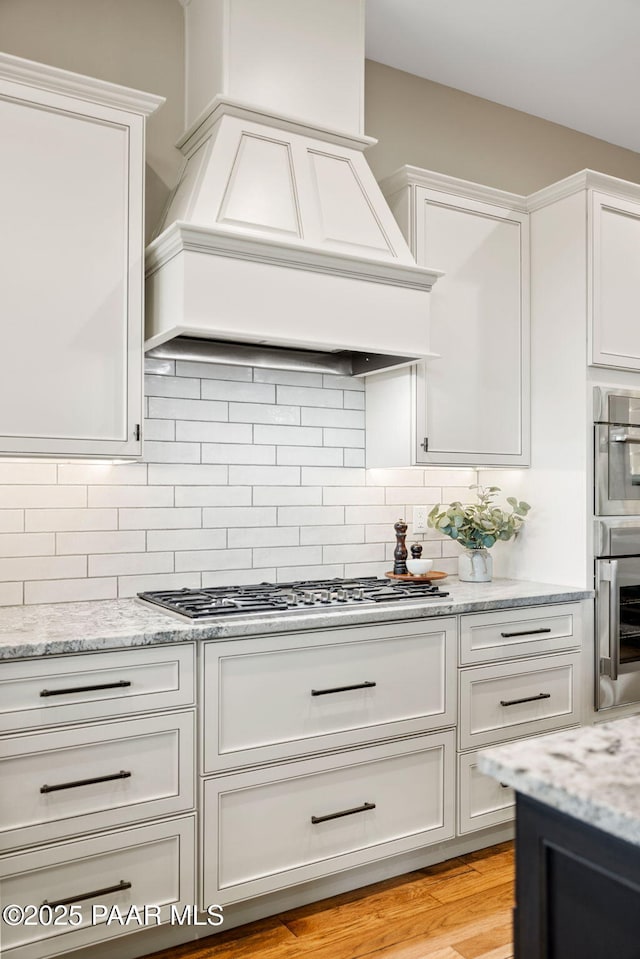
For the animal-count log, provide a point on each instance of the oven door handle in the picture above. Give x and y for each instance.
(609, 574)
(625, 438)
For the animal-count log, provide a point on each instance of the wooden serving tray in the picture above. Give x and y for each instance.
(409, 577)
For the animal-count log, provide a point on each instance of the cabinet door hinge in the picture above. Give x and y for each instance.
(425, 444)
(137, 433)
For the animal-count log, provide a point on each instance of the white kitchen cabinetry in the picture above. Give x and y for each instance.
(524, 680)
(470, 406)
(615, 268)
(280, 702)
(72, 783)
(71, 248)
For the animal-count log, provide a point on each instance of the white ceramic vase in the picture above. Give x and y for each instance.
(475, 566)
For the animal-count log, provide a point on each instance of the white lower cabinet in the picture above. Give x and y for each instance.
(483, 801)
(150, 865)
(267, 829)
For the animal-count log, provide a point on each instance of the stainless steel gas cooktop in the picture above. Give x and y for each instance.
(303, 596)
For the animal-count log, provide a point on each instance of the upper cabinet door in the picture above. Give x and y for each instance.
(615, 282)
(473, 402)
(71, 249)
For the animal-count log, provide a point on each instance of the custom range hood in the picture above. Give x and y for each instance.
(277, 235)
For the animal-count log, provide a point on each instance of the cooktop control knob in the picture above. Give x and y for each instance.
(308, 597)
(324, 596)
(292, 599)
(342, 595)
(358, 593)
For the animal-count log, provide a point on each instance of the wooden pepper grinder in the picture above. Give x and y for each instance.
(416, 551)
(400, 552)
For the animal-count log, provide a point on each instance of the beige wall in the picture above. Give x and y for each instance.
(429, 125)
(137, 43)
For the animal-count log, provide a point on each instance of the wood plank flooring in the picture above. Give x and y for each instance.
(459, 909)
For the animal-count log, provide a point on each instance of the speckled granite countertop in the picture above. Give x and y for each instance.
(592, 773)
(112, 624)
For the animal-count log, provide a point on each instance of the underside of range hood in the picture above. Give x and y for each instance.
(278, 234)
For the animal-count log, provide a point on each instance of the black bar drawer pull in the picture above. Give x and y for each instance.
(85, 689)
(345, 812)
(527, 699)
(342, 689)
(88, 895)
(527, 632)
(85, 782)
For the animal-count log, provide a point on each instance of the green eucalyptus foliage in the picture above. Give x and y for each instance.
(479, 525)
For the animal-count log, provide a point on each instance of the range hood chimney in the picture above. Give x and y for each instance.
(277, 233)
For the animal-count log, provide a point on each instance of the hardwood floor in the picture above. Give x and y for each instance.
(460, 909)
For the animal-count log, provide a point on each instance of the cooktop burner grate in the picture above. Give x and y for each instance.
(306, 595)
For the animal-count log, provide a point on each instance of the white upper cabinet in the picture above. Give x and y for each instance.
(470, 406)
(71, 249)
(615, 281)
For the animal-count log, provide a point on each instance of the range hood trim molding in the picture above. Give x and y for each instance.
(222, 106)
(181, 237)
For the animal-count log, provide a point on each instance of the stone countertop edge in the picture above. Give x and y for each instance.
(61, 628)
(591, 773)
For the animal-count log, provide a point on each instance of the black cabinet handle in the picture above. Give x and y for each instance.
(527, 632)
(527, 699)
(88, 895)
(342, 689)
(344, 812)
(85, 782)
(85, 689)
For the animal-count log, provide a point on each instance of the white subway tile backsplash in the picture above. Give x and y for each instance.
(308, 456)
(253, 413)
(27, 544)
(11, 594)
(213, 496)
(123, 564)
(352, 496)
(238, 392)
(106, 496)
(169, 518)
(239, 516)
(333, 535)
(165, 408)
(341, 419)
(305, 396)
(41, 473)
(11, 520)
(199, 432)
(187, 475)
(215, 371)
(31, 497)
(186, 539)
(180, 386)
(265, 475)
(42, 567)
(202, 559)
(69, 590)
(238, 453)
(120, 541)
(310, 515)
(288, 435)
(353, 438)
(321, 476)
(249, 475)
(287, 556)
(54, 520)
(157, 452)
(131, 585)
(102, 474)
(287, 495)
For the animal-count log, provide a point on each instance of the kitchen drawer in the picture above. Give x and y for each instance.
(482, 801)
(510, 700)
(272, 698)
(147, 768)
(156, 864)
(511, 633)
(259, 834)
(51, 690)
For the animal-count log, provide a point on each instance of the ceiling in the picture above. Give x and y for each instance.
(575, 62)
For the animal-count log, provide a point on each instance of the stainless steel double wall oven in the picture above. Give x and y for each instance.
(617, 546)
